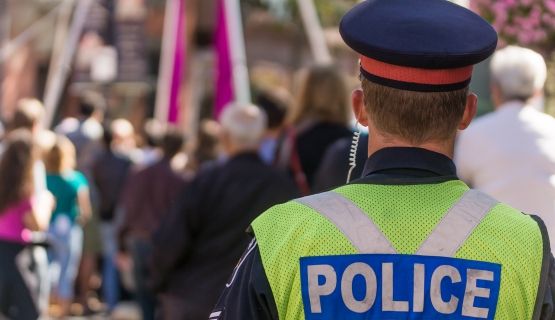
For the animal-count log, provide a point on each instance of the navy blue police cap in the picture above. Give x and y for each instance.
(417, 45)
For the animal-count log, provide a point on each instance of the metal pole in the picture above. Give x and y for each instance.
(166, 61)
(237, 50)
(4, 37)
(64, 64)
(60, 35)
(314, 32)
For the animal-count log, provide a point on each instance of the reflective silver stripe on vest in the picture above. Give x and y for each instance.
(445, 240)
(351, 221)
(457, 225)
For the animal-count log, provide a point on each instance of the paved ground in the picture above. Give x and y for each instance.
(124, 311)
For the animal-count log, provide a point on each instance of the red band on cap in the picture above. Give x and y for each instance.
(415, 75)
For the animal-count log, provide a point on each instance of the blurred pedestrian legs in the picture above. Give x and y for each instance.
(67, 247)
(110, 279)
(140, 250)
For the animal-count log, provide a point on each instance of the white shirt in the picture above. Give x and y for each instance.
(510, 154)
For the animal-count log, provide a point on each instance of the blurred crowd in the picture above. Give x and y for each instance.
(104, 212)
(97, 211)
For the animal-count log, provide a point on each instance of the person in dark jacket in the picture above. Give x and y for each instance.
(274, 103)
(109, 173)
(336, 164)
(148, 195)
(201, 240)
(319, 117)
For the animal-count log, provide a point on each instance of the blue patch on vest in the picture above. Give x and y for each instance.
(385, 286)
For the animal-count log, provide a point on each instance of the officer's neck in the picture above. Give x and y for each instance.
(378, 142)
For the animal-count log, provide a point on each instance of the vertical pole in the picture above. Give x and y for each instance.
(237, 51)
(166, 61)
(4, 37)
(179, 55)
(314, 32)
(223, 71)
(60, 35)
(63, 66)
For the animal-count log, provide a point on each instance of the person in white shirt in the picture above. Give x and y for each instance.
(510, 153)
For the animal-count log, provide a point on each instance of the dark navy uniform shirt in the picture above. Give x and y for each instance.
(249, 295)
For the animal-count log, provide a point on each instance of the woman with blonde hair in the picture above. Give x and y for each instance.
(320, 116)
(20, 282)
(73, 207)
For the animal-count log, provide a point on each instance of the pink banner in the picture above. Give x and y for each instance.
(224, 77)
(179, 56)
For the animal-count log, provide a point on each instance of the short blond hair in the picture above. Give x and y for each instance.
(61, 156)
(28, 114)
(416, 117)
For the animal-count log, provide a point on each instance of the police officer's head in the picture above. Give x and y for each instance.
(416, 61)
(414, 117)
(517, 74)
(243, 126)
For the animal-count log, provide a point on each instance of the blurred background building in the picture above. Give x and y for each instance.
(119, 47)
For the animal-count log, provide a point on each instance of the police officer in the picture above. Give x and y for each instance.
(409, 240)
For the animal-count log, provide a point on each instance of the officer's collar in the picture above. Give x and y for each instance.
(407, 160)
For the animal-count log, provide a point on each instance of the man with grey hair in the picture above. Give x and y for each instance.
(202, 238)
(242, 128)
(510, 153)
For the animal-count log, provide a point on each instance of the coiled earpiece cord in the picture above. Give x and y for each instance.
(353, 153)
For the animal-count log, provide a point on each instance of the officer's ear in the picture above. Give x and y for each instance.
(359, 109)
(469, 110)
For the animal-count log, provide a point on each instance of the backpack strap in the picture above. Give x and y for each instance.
(287, 156)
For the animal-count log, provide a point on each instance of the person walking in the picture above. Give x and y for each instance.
(109, 173)
(319, 117)
(274, 103)
(337, 163)
(85, 132)
(73, 209)
(409, 240)
(20, 277)
(202, 237)
(147, 197)
(510, 153)
(28, 115)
